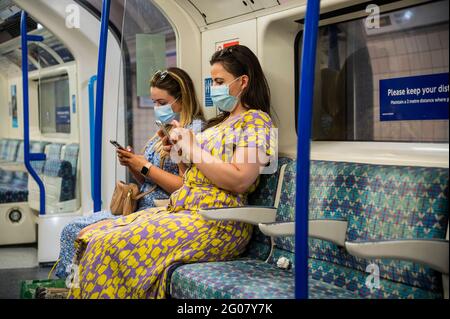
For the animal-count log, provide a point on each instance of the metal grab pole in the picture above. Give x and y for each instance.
(307, 78)
(29, 157)
(99, 105)
(91, 86)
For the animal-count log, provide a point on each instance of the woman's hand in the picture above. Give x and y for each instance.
(167, 145)
(185, 143)
(131, 160)
(122, 158)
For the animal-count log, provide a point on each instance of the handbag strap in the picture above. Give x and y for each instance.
(138, 197)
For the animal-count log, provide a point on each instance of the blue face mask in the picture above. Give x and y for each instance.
(222, 99)
(165, 113)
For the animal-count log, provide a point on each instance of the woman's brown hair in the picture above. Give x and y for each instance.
(240, 60)
(178, 84)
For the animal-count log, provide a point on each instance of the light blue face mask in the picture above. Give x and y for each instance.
(165, 113)
(222, 99)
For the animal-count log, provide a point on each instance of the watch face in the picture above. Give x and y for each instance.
(144, 170)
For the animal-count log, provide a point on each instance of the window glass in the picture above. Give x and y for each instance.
(54, 105)
(44, 58)
(364, 78)
(139, 23)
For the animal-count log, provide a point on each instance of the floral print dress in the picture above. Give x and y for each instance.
(130, 257)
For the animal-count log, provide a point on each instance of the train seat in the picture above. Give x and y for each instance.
(58, 172)
(377, 203)
(8, 150)
(13, 176)
(59, 175)
(373, 202)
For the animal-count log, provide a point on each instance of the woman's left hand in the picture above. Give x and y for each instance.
(133, 161)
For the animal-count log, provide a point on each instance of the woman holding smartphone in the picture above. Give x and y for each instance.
(131, 257)
(174, 96)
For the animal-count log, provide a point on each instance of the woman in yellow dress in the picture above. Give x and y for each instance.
(130, 257)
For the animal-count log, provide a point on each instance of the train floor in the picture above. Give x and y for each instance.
(19, 263)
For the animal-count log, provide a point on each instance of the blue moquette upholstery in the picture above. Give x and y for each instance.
(379, 202)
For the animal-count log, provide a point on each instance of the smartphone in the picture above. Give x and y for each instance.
(164, 130)
(117, 145)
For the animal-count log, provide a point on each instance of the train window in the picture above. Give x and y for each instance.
(356, 64)
(53, 43)
(41, 55)
(136, 22)
(54, 105)
(150, 42)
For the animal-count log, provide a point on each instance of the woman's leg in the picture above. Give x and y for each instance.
(68, 236)
(130, 257)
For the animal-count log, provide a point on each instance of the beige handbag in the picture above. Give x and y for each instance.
(125, 198)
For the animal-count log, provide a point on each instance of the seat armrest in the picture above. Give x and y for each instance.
(433, 253)
(325, 229)
(248, 214)
(329, 230)
(278, 229)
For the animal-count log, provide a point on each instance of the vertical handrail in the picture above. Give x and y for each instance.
(91, 86)
(99, 105)
(29, 157)
(308, 63)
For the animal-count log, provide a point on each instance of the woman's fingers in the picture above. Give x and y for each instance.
(161, 134)
(175, 124)
(125, 154)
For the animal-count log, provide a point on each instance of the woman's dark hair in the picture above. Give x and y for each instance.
(240, 60)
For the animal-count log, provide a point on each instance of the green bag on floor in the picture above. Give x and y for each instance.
(28, 287)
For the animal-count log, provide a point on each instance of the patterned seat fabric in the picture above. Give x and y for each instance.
(58, 173)
(8, 152)
(253, 263)
(35, 147)
(264, 195)
(13, 185)
(380, 203)
(3, 143)
(259, 246)
(244, 279)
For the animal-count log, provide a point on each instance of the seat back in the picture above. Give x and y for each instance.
(70, 154)
(68, 184)
(9, 150)
(285, 246)
(264, 195)
(379, 202)
(52, 151)
(3, 143)
(35, 147)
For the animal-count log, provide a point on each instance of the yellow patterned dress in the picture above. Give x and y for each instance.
(131, 257)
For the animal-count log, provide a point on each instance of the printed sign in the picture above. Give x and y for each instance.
(63, 115)
(208, 100)
(225, 44)
(423, 97)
